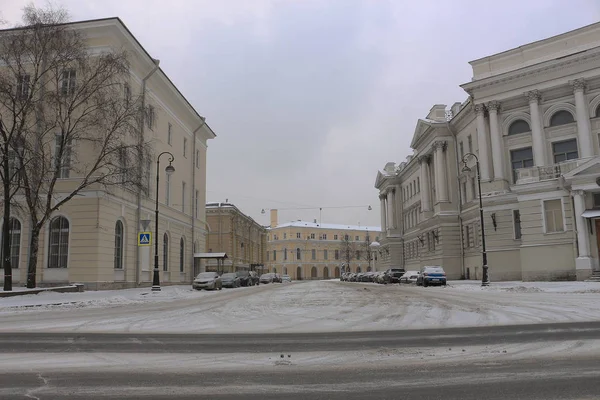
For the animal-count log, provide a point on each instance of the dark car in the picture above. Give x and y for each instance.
(277, 278)
(395, 274)
(245, 278)
(254, 277)
(266, 278)
(434, 275)
(230, 280)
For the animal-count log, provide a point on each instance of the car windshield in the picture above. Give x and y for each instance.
(266, 275)
(206, 275)
(229, 276)
(242, 273)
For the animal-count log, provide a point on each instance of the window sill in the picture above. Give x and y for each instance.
(555, 233)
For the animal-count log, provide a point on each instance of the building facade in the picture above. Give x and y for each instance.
(232, 232)
(93, 238)
(311, 250)
(532, 120)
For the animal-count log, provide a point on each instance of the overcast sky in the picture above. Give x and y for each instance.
(309, 98)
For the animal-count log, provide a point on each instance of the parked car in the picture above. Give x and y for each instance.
(231, 280)
(245, 279)
(266, 278)
(409, 277)
(395, 274)
(432, 275)
(207, 281)
(286, 278)
(352, 277)
(277, 278)
(254, 278)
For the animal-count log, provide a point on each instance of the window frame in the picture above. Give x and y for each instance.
(182, 254)
(560, 112)
(562, 209)
(516, 215)
(119, 245)
(514, 170)
(23, 85)
(563, 141)
(165, 252)
(515, 122)
(68, 82)
(60, 245)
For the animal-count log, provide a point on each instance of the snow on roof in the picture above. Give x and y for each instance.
(217, 204)
(306, 224)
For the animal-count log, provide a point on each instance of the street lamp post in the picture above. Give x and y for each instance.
(484, 279)
(169, 170)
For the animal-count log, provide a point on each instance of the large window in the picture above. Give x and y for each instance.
(519, 126)
(314, 254)
(325, 254)
(181, 254)
(165, 252)
(14, 240)
(337, 254)
(517, 223)
(23, 86)
(69, 78)
(521, 158)
(62, 155)
(285, 254)
(553, 216)
(566, 150)
(59, 243)
(597, 112)
(118, 245)
(298, 254)
(561, 117)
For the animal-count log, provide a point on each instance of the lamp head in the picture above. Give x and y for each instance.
(170, 169)
(369, 208)
(262, 211)
(466, 169)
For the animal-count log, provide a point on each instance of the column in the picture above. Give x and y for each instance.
(482, 143)
(425, 184)
(394, 220)
(389, 204)
(583, 238)
(383, 216)
(497, 142)
(441, 171)
(537, 132)
(584, 128)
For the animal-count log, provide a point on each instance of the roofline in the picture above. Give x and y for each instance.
(531, 44)
(117, 19)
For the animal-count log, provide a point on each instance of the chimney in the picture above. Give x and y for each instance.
(437, 113)
(273, 218)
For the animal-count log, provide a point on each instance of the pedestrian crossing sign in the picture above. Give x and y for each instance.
(144, 239)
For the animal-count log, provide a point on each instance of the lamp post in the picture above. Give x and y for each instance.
(484, 279)
(169, 170)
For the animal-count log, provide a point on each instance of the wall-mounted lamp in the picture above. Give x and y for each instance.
(494, 220)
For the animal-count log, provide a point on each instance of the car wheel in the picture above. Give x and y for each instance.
(221, 287)
(425, 284)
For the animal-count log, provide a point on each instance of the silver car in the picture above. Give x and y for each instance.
(208, 281)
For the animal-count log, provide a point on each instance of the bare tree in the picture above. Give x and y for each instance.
(81, 121)
(365, 250)
(348, 251)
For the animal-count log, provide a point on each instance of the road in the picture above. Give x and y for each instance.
(41, 366)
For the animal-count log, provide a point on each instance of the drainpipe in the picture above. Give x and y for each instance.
(459, 202)
(194, 195)
(140, 167)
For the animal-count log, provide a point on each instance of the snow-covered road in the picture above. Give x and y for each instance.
(303, 307)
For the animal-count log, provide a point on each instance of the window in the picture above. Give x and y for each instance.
(519, 126)
(151, 117)
(183, 197)
(566, 150)
(418, 185)
(170, 134)
(312, 235)
(467, 230)
(298, 236)
(553, 216)
(14, 240)
(597, 112)
(462, 149)
(358, 254)
(168, 190)
(118, 245)
(165, 252)
(325, 254)
(335, 237)
(285, 254)
(470, 143)
(521, 158)
(561, 117)
(517, 223)
(298, 254)
(127, 93)
(196, 203)
(285, 235)
(463, 191)
(314, 254)
(23, 87)
(62, 156)
(324, 236)
(58, 245)
(198, 159)
(377, 238)
(185, 147)
(268, 256)
(181, 254)
(474, 189)
(596, 200)
(336, 254)
(69, 78)
(346, 237)
(356, 238)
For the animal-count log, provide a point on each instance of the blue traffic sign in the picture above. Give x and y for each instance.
(144, 239)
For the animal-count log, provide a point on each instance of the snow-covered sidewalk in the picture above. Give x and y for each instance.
(303, 307)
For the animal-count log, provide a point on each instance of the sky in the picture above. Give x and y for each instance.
(310, 98)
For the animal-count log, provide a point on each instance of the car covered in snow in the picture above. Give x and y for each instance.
(267, 278)
(431, 275)
(245, 279)
(394, 274)
(207, 281)
(409, 277)
(231, 280)
(286, 278)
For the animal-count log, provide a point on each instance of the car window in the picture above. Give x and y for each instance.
(206, 275)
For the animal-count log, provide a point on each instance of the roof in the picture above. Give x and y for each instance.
(210, 255)
(306, 224)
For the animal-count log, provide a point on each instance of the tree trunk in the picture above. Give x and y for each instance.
(33, 256)
(6, 229)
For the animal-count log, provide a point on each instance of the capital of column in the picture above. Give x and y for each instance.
(533, 96)
(578, 192)
(392, 190)
(479, 109)
(382, 196)
(424, 159)
(579, 84)
(493, 106)
(439, 144)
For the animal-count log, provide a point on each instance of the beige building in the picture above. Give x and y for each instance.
(311, 250)
(533, 120)
(232, 232)
(93, 239)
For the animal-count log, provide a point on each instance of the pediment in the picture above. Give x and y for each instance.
(586, 167)
(379, 179)
(420, 130)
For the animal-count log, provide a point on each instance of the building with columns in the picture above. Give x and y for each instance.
(532, 119)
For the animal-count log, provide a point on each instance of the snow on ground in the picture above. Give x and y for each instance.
(303, 307)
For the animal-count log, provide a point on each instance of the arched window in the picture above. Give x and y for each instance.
(358, 270)
(325, 273)
(313, 272)
(519, 126)
(298, 253)
(119, 245)
(14, 240)
(181, 254)
(337, 272)
(598, 112)
(561, 117)
(58, 244)
(165, 252)
(285, 270)
(299, 274)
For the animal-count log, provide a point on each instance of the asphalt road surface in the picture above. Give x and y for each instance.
(547, 378)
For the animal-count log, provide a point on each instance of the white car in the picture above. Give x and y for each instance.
(409, 277)
(286, 278)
